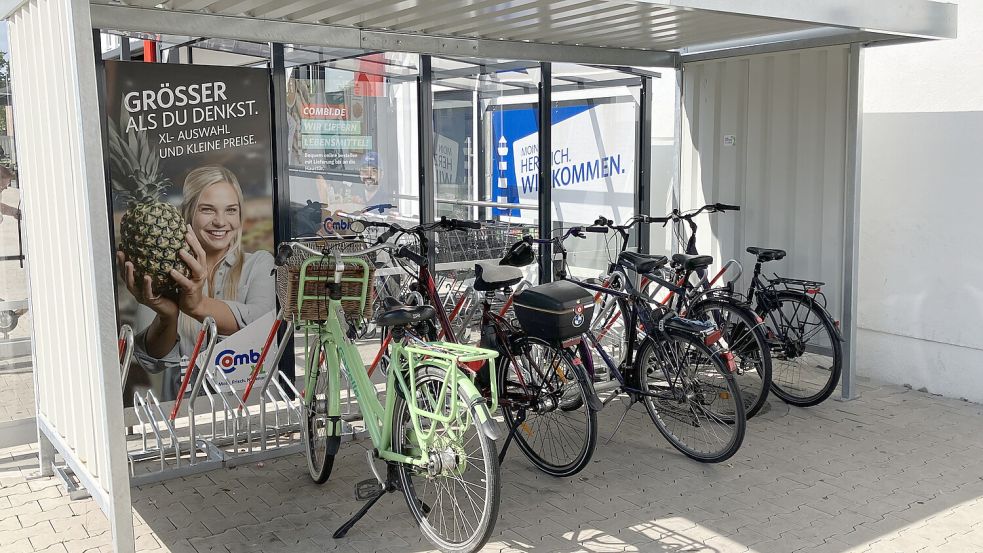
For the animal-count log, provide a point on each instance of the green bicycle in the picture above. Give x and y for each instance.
(433, 430)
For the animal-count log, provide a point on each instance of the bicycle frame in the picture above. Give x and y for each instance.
(641, 317)
(340, 353)
(426, 280)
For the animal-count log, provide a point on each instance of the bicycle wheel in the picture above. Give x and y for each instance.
(555, 431)
(694, 401)
(741, 335)
(455, 499)
(806, 350)
(319, 463)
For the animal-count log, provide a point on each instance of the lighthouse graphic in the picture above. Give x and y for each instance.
(503, 181)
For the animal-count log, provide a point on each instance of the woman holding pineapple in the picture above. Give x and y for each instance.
(214, 277)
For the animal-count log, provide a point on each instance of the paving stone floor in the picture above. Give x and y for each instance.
(895, 471)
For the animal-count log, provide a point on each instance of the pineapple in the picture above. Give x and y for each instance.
(151, 231)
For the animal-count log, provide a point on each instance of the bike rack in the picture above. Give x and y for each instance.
(175, 444)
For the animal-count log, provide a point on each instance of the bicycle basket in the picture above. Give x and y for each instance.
(356, 282)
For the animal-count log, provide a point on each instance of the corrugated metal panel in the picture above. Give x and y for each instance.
(79, 407)
(785, 115)
(608, 23)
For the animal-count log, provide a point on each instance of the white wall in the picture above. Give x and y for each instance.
(920, 301)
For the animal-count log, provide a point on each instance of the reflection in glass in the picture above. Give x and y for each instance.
(352, 137)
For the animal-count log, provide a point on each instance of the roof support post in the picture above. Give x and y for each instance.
(281, 173)
(545, 170)
(426, 147)
(676, 191)
(851, 220)
(643, 186)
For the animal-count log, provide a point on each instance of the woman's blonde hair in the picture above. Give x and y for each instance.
(197, 182)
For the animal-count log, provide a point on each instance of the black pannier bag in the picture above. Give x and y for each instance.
(555, 312)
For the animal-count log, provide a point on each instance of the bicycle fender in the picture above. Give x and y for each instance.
(334, 444)
(715, 295)
(583, 376)
(482, 416)
(822, 310)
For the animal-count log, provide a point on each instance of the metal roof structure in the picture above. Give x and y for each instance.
(625, 32)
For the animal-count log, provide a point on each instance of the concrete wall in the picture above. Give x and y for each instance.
(920, 301)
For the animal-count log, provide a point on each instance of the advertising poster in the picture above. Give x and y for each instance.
(192, 181)
(593, 159)
(343, 130)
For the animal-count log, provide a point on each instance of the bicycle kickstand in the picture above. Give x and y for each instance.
(519, 420)
(631, 402)
(372, 490)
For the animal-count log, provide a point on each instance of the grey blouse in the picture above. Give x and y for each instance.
(255, 297)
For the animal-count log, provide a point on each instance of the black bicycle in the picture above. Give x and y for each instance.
(743, 330)
(803, 338)
(674, 366)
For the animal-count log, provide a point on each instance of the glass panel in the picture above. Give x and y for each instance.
(663, 173)
(352, 136)
(485, 144)
(595, 126)
(16, 381)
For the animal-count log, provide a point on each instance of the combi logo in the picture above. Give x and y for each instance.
(229, 360)
(338, 226)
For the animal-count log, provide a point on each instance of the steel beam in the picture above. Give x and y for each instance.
(545, 170)
(426, 148)
(919, 18)
(281, 173)
(851, 220)
(784, 43)
(643, 185)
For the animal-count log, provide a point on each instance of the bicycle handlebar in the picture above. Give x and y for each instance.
(677, 215)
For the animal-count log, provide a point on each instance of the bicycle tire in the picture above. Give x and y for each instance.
(785, 385)
(422, 510)
(319, 462)
(744, 337)
(562, 414)
(731, 416)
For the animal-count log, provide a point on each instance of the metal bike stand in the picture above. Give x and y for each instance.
(213, 455)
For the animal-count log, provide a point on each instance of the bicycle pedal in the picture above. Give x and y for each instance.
(352, 417)
(367, 489)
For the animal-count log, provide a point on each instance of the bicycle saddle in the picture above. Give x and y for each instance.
(641, 262)
(692, 262)
(490, 277)
(401, 315)
(766, 254)
(520, 254)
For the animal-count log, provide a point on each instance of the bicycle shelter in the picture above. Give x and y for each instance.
(767, 115)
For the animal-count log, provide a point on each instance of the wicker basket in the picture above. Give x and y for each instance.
(356, 283)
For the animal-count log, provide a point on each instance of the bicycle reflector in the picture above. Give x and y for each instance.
(729, 359)
(813, 291)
